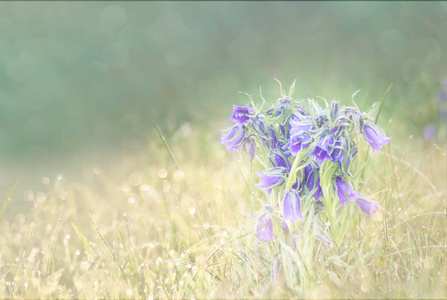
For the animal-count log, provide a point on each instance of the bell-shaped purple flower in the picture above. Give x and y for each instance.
(299, 134)
(323, 149)
(242, 114)
(337, 129)
(264, 229)
(368, 207)
(233, 138)
(279, 159)
(271, 178)
(429, 132)
(285, 148)
(298, 125)
(375, 137)
(312, 181)
(299, 141)
(345, 191)
(272, 141)
(292, 206)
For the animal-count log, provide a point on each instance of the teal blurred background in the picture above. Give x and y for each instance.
(80, 82)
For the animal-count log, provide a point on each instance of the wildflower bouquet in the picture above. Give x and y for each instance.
(308, 157)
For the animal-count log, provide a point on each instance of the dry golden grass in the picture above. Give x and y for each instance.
(133, 229)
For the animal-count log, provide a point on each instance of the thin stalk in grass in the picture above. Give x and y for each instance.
(132, 256)
(50, 262)
(365, 102)
(375, 122)
(121, 237)
(84, 241)
(218, 249)
(102, 238)
(440, 149)
(170, 153)
(383, 101)
(5, 205)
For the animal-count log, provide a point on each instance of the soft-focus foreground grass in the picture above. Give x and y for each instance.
(135, 230)
(80, 83)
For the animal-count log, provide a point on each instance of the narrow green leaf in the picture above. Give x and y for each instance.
(170, 153)
(436, 146)
(87, 247)
(382, 101)
(5, 205)
(102, 238)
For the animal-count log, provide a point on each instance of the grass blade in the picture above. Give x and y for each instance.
(170, 153)
(375, 122)
(383, 101)
(102, 238)
(5, 205)
(83, 240)
(436, 146)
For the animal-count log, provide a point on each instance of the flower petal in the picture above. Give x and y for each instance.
(368, 207)
(292, 207)
(375, 137)
(345, 191)
(233, 138)
(264, 229)
(271, 178)
(242, 114)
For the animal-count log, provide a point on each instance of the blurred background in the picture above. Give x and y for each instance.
(80, 82)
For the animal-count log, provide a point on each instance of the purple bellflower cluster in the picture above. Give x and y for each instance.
(307, 155)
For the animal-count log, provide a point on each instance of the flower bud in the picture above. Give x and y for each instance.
(301, 110)
(334, 110)
(321, 119)
(259, 123)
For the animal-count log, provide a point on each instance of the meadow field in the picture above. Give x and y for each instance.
(114, 183)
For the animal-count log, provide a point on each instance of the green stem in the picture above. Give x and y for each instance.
(264, 153)
(273, 197)
(292, 175)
